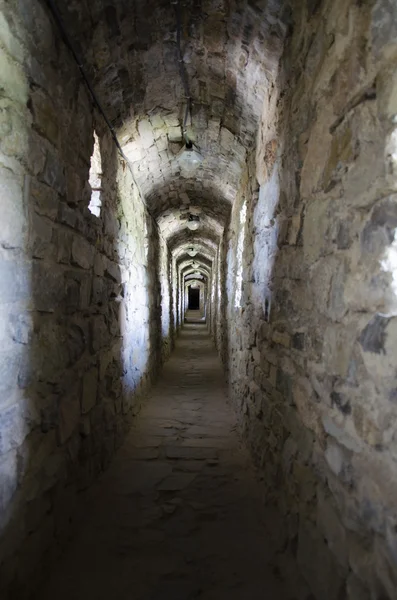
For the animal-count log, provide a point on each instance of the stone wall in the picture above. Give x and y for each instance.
(80, 296)
(167, 315)
(313, 345)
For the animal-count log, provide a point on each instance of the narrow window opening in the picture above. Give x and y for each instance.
(96, 179)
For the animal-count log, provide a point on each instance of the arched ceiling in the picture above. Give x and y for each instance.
(195, 274)
(186, 268)
(231, 50)
(193, 277)
(183, 193)
(185, 236)
(174, 221)
(206, 244)
(203, 249)
(197, 260)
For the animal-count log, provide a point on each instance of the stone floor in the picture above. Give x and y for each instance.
(178, 515)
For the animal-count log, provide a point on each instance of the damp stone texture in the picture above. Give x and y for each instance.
(79, 295)
(287, 227)
(310, 350)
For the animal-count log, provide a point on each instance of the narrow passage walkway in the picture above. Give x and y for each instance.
(178, 515)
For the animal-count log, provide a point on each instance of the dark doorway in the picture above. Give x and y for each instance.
(194, 298)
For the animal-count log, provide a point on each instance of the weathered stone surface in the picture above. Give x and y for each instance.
(112, 270)
(14, 281)
(297, 275)
(14, 222)
(54, 174)
(48, 287)
(99, 334)
(383, 27)
(324, 575)
(69, 414)
(89, 391)
(13, 427)
(45, 199)
(41, 239)
(331, 527)
(44, 116)
(8, 480)
(82, 253)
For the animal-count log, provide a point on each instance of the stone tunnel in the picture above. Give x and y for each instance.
(198, 299)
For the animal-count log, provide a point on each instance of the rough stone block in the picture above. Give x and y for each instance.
(338, 460)
(37, 153)
(21, 327)
(13, 218)
(69, 414)
(281, 337)
(45, 117)
(83, 252)
(294, 229)
(146, 133)
(356, 590)
(41, 237)
(45, 199)
(74, 187)
(14, 427)
(36, 511)
(89, 392)
(48, 287)
(320, 569)
(306, 482)
(76, 341)
(13, 79)
(384, 27)
(72, 294)
(64, 246)
(174, 134)
(226, 139)
(330, 525)
(54, 173)
(66, 215)
(8, 480)
(50, 350)
(99, 268)
(338, 346)
(284, 384)
(99, 333)
(378, 233)
(112, 270)
(14, 281)
(15, 134)
(340, 434)
(99, 291)
(298, 341)
(85, 292)
(315, 229)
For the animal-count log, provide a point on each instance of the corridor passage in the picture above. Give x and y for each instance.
(178, 515)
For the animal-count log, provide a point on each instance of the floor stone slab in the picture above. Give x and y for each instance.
(179, 513)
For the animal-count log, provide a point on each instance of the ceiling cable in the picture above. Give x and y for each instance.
(182, 70)
(58, 19)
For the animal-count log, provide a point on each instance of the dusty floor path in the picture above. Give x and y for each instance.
(178, 515)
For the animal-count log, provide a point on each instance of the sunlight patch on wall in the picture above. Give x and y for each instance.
(239, 257)
(265, 241)
(389, 265)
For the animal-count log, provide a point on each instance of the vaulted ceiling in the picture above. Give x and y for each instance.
(231, 50)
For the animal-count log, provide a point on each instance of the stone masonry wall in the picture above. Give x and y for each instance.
(80, 299)
(313, 346)
(167, 316)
